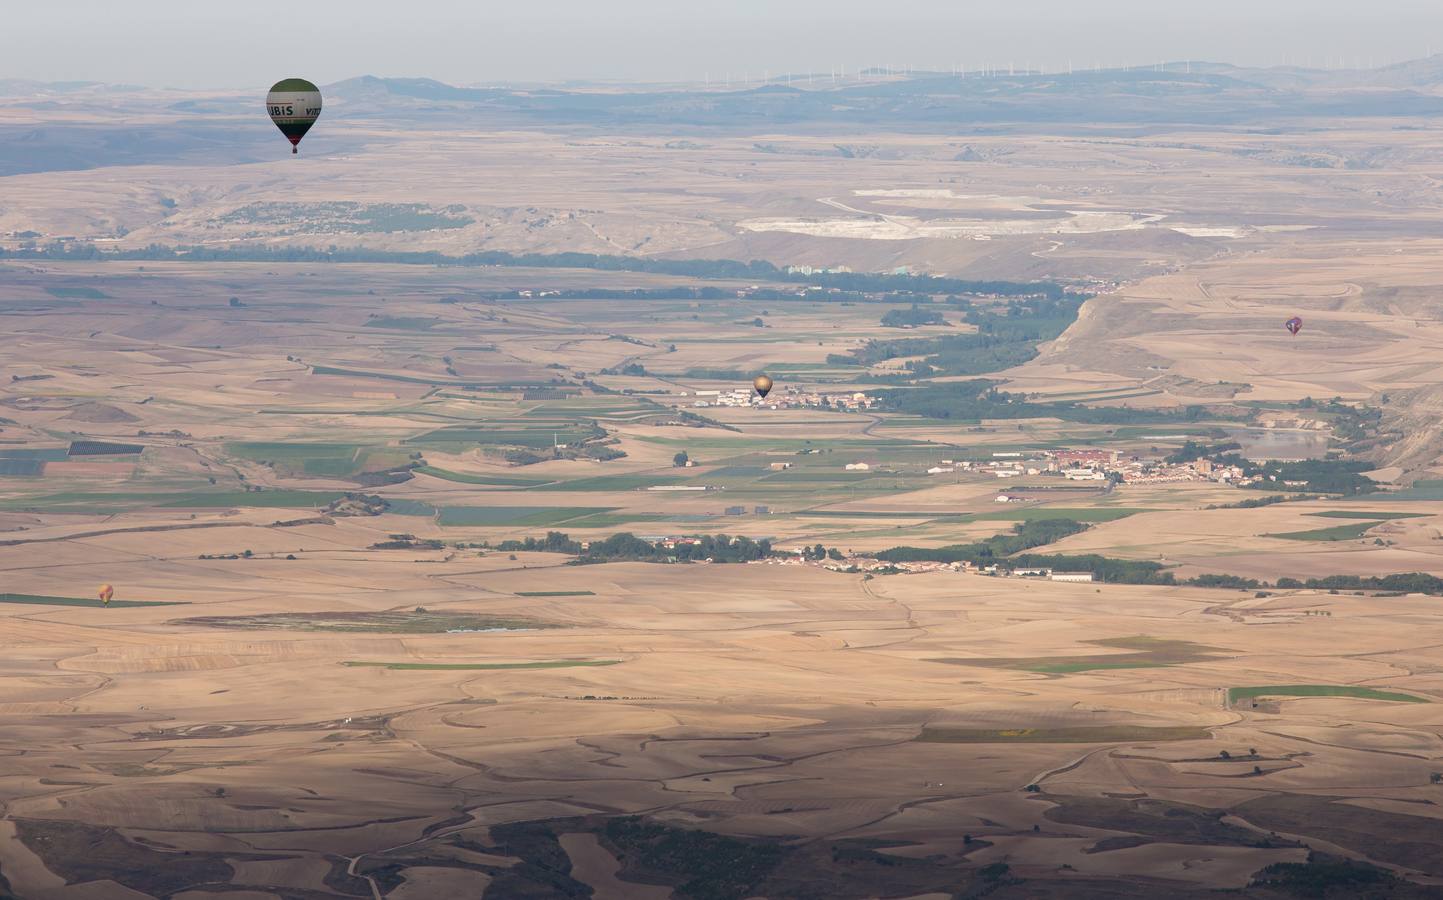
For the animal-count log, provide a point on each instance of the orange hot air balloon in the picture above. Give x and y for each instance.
(763, 386)
(106, 592)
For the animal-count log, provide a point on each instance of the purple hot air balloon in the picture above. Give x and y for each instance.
(1295, 325)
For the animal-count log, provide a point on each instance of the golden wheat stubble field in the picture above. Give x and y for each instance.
(749, 700)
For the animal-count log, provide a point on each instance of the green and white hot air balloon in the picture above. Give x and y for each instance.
(294, 105)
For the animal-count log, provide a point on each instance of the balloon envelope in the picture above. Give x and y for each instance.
(294, 104)
(106, 592)
(1294, 325)
(763, 385)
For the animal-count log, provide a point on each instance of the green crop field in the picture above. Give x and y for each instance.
(461, 516)
(606, 408)
(612, 520)
(386, 376)
(1431, 489)
(1320, 690)
(536, 438)
(449, 667)
(41, 600)
(467, 478)
(840, 475)
(612, 483)
(862, 514)
(254, 499)
(1336, 533)
(1362, 514)
(337, 467)
(323, 459)
(1082, 514)
(298, 451)
(739, 471)
(21, 467)
(48, 454)
(400, 507)
(121, 500)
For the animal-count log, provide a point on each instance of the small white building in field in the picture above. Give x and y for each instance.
(858, 467)
(1071, 576)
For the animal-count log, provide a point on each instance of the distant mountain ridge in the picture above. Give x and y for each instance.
(224, 126)
(1195, 93)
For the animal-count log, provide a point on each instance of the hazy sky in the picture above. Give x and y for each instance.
(218, 43)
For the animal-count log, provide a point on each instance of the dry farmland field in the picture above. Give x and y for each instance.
(447, 564)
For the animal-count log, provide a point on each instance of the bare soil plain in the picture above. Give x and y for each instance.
(336, 667)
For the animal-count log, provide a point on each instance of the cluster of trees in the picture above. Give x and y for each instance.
(634, 368)
(1191, 451)
(1329, 476)
(978, 398)
(624, 545)
(1006, 550)
(999, 549)
(1255, 502)
(1401, 582)
(1001, 340)
(717, 374)
(709, 866)
(1033, 319)
(1333, 475)
(554, 542)
(408, 542)
(911, 317)
(521, 456)
(693, 268)
(1230, 582)
(1351, 424)
(719, 548)
(1024, 536)
(1103, 568)
(810, 294)
(1328, 876)
(380, 478)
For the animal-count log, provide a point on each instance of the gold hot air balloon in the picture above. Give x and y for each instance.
(106, 592)
(763, 386)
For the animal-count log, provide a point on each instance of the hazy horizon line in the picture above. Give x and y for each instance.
(742, 77)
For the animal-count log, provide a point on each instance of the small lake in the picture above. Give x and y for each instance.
(1280, 443)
